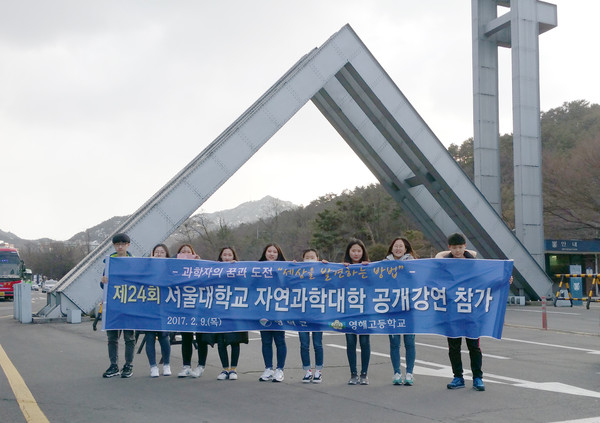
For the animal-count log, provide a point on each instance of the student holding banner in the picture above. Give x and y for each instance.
(121, 243)
(228, 254)
(159, 251)
(272, 252)
(356, 253)
(457, 244)
(317, 337)
(400, 249)
(186, 251)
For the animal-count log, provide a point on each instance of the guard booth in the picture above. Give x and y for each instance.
(564, 256)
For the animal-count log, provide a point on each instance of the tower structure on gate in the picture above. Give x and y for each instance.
(517, 29)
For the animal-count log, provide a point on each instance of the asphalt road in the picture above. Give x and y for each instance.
(531, 375)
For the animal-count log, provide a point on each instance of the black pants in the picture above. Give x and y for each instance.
(187, 339)
(235, 354)
(454, 345)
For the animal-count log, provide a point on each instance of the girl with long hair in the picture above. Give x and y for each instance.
(400, 249)
(234, 339)
(272, 252)
(356, 253)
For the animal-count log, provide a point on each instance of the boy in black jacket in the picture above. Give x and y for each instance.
(457, 244)
(121, 243)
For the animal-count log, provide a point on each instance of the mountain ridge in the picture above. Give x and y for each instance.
(247, 212)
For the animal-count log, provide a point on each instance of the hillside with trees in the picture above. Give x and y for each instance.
(326, 224)
(570, 157)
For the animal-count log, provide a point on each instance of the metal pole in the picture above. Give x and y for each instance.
(544, 317)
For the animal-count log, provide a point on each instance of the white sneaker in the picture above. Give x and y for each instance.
(154, 371)
(166, 370)
(267, 375)
(278, 376)
(307, 377)
(185, 372)
(233, 375)
(408, 380)
(224, 375)
(397, 379)
(197, 372)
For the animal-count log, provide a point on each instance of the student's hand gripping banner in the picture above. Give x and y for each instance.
(450, 297)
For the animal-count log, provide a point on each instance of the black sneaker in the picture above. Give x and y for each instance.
(113, 370)
(127, 370)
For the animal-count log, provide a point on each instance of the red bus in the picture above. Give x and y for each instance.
(11, 271)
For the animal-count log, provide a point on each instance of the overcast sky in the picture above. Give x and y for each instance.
(101, 103)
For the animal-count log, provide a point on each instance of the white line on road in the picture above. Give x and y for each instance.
(543, 344)
(549, 312)
(445, 371)
(499, 357)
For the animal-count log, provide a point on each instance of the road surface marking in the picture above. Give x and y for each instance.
(445, 371)
(543, 344)
(499, 357)
(549, 312)
(29, 407)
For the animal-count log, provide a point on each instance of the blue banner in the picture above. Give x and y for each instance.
(450, 297)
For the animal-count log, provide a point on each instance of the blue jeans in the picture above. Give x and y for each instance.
(305, 349)
(267, 338)
(365, 352)
(409, 346)
(165, 347)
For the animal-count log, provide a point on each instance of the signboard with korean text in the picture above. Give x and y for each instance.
(450, 297)
(572, 246)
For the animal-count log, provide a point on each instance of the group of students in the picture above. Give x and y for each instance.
(355, 253)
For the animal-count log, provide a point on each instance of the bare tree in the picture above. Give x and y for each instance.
(572, 189)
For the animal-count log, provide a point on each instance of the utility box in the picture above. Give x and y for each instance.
(73, 316)
(22, 302)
